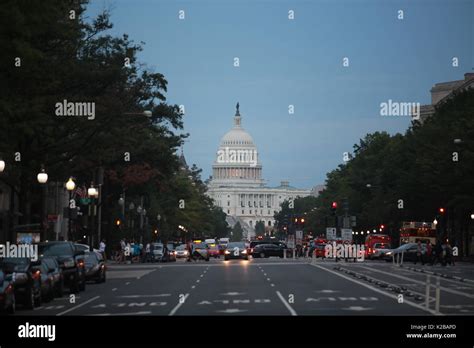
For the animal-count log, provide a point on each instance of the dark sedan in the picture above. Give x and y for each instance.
(7, 294)
(407, 251)
(236, 250)
(95, 266)
(26, 279)
(54, 270)
(268, 250)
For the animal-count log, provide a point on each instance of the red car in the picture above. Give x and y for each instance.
(214, 250)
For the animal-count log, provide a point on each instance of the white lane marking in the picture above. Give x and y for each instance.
(202, 275)
(78, 306)
(138, 296)
(180, 303)
(357, 308)
(114, 289)
(233, 293)
(127, 313)
(127, 283)
(268, 279)
(272, 285)
(416, 305)
(424, 283)
(232, 310)
(197, 281)
(287, 305)
(328, 291)
(192, 287)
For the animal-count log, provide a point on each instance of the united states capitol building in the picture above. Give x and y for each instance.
(237, 186)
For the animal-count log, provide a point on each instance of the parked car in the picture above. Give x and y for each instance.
(26, 279)
(408, 250)
(71, 261)
(254, 243)
(7, 294)
(236, 250)
(267, 250)
(47, 280)
(57, 274)
(181, 251)
(95, 266)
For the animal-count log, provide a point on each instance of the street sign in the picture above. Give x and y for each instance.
(290, 242)
(346, 234)
(299, 237)
(85, 201)
(331, 233)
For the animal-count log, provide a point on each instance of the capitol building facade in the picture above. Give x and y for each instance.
(237, 186)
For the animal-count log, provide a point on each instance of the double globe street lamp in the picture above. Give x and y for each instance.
(70, 186)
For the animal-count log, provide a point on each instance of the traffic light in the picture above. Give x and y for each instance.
(441, 210)
(333, 208)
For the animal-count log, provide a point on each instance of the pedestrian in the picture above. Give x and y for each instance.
(147, 252)
(449, 254)
(123, 246)
(190, 251)
(428, 252)
(419, 253)
(102, 248)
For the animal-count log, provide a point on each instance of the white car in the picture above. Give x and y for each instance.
(181, 251)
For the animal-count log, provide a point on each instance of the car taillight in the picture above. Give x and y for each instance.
(80, 263)
(36, 274)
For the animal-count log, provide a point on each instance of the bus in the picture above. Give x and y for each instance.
(414, 231)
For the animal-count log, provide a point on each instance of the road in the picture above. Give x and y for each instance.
(271, 287)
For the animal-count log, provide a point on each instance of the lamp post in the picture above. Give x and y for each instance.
(93, 193)
(70, 186)
(2, 165)
(42, 178)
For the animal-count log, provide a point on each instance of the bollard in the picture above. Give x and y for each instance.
(284, 253)
(294, 254)
(427, 292)
(437, 295)
(403, 251)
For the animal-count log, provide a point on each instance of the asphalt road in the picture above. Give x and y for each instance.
(271, 287)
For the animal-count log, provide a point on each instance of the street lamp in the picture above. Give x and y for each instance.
(70, 186)
(457, 141)
(93, 194)
(472, 216)
(436, 221)
(2, 165)
(42, 178)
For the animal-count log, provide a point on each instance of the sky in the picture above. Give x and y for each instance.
(296, 62)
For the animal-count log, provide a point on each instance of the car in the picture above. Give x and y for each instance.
(236, 250)
(170, 255)
(47, 280)
(267, 250)
(181, 251)
(200, 251)
(156, 252)
(71, 261)
(26, 279)
(254, 243)
(7, 294)
(214, 251)
(409, 251)
(95, 266)
(378, 250)
(55, 270)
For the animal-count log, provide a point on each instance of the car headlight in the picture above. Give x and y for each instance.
(244, 251)
(227, 252)
(389, 253)
(185, 252)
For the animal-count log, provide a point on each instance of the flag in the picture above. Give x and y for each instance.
(81, 192)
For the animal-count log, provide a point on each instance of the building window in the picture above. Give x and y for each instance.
(228, 203)
(243, 212)
(250, 222)
(268, 212)
(269, 223)
(228, 211)
(250, 211)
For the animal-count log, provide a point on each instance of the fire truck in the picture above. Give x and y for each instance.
(414, 231)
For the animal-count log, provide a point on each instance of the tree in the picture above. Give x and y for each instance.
(259, 228)
(237, 233)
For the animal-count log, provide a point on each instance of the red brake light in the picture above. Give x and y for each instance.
(36, 274)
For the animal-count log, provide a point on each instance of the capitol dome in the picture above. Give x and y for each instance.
(237, 158)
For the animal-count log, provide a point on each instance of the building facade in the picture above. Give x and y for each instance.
(237, 186)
